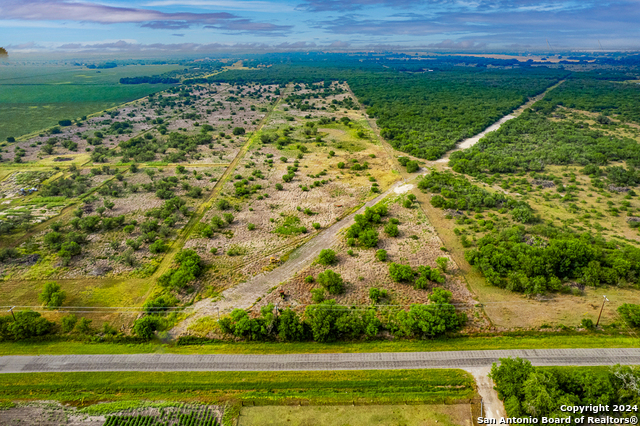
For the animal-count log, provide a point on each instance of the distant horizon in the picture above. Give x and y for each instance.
(187, 27)
(234, 53)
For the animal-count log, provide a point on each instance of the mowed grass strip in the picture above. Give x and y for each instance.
(532, 341)
(314, 387)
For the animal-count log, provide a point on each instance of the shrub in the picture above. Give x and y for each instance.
(206, 231)
(309, 279)
(317, 295)
(400, 273)
(391, 230)
(375, 294)
(381, 255)
(145, 327)
(68, 322)
(327, 257)
(134, 244)
(228, 217)
(587, 323)
(251, 226)
(279, 186)
(290, 327)
(412, 166)
(27, 324)
(52, 296)
(84, 326)
(223, 204)
(631, 313)
(237, 131)
(331, 281)
(369, 238)
(315, 225)
(442, 263)
(158, 246)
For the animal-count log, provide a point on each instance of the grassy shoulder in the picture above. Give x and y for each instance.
(263, 388)
(533, 341)
(445, 415)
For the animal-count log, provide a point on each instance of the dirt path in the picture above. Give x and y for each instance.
(469, 142)
(245, 294)
(492, 407)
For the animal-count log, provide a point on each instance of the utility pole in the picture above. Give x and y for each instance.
(12, 314)
(601, 309)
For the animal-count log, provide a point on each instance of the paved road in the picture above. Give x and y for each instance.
(306, 362)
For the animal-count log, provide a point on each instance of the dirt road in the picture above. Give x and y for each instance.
(245, 294)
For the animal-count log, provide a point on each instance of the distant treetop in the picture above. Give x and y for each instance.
(3, 52)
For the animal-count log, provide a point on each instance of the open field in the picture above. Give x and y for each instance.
(337, 387)
(35, 98)
(423, 415)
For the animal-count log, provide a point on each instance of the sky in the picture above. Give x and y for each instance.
(147, 27)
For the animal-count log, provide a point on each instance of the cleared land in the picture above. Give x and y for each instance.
(412, 415)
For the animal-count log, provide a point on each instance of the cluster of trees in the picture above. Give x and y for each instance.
(456, 192)
(154, 79)
(548, 259)
(421, 277)
(540, 392)
(27, 324)
(364, 231)
(145, 148)
(189, 267)
(425, 115)
(532, 141)
(328, 321)
(73, 186)
(631, 313)
(587, 94)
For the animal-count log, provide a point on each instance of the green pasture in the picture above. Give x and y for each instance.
(34, 98)
(381, 387)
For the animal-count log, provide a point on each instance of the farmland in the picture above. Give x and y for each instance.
(34, 98)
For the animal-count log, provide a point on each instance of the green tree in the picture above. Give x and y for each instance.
(52, 296)
(369, 238)
(331, 281)
(631, 313)
(84, 325)
(400, 273)
(391, 229)
(290, 327)
(375, 294)
(27, 324)
(327, 257)
(322, 319)
(146, 327)
(68, 322)
(442, 263)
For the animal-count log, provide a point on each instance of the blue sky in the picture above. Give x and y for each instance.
(203, 26)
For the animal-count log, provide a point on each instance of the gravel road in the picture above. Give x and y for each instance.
(305, 362)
